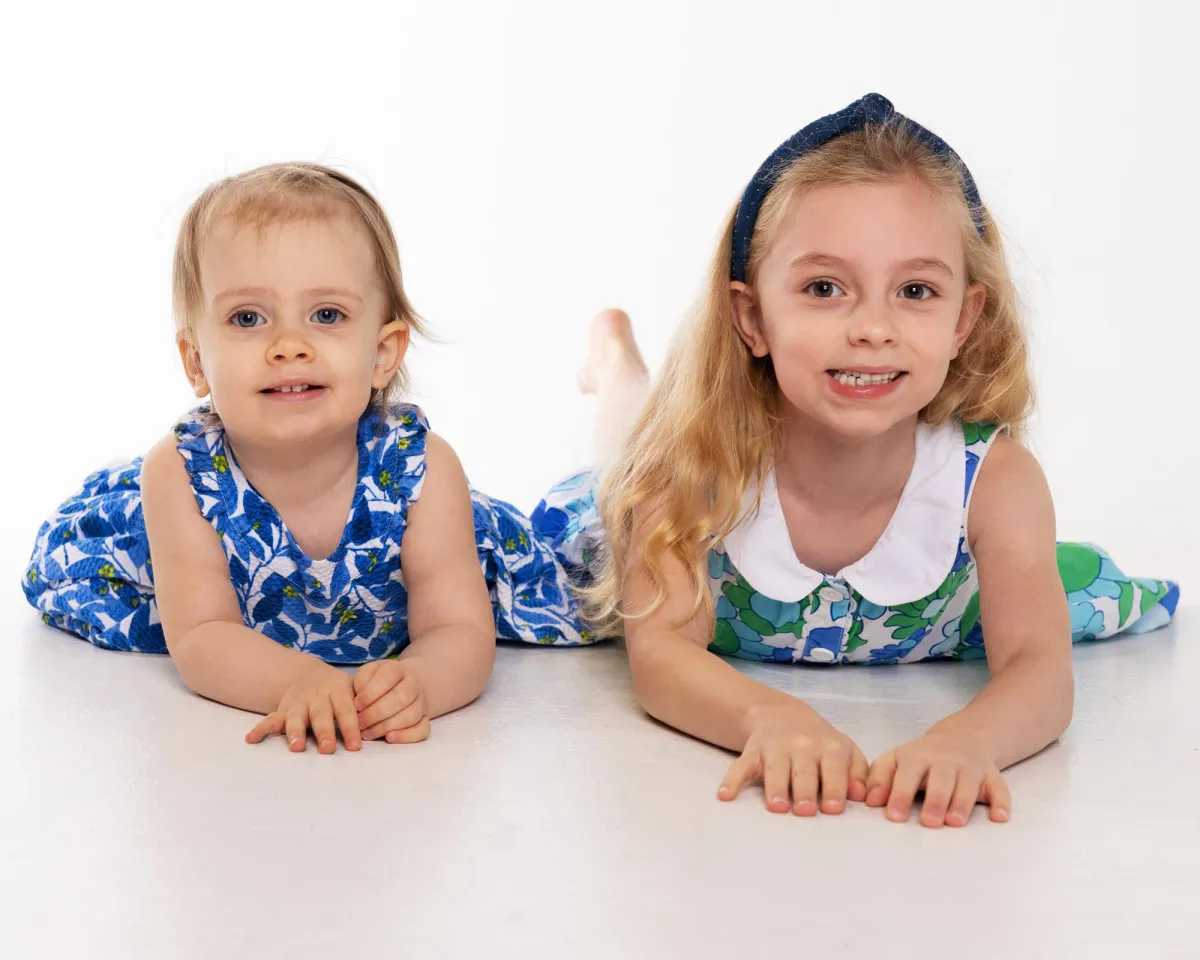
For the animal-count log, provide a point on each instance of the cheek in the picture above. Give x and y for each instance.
(933, 335)
(800, 340)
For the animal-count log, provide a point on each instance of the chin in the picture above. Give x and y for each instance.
(866, 424)
(857, 421)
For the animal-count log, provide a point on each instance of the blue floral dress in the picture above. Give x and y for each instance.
(91, 572)
(914, 596)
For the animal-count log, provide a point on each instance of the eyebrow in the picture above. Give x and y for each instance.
(238, 292)
(828, 260)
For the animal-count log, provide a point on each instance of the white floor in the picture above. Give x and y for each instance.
(553, 819)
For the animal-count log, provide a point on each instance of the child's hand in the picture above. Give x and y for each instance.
(955, 770)
(318, 697)
(792, 749)
(390, 700)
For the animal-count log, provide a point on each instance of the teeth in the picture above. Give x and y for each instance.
(298, 388)
(863, 379)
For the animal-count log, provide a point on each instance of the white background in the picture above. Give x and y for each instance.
(542, 160)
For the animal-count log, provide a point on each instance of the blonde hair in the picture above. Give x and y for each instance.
(283, 193)
(712, 427)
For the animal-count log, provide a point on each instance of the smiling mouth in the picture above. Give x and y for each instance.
(293, 388)
(850, 378)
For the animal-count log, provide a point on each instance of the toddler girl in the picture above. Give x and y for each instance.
(302, 516)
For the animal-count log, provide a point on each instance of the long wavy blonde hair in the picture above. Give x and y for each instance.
(712, 425)
(284, 193)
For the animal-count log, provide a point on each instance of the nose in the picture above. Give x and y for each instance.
(288, 346)
(872, 325)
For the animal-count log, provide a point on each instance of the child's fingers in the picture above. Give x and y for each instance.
(879, 779)
(402, 695)
(966, 793)
(414, 734)
(804, 785)
(835, 781)
(320, 718)
(939, 788)
(362, 676)
(777, 770)
(859, 772)
(378, 683)
(271, 724)
(296, 727)
(742, 771)
(997, 795)
(410, 716)
(905, 785)
(347, 719)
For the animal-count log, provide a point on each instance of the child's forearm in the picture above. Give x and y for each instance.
(454, 663)
(687, 687)
(1026, 706)
(234, 665)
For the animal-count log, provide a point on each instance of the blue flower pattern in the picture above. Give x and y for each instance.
(91, 572)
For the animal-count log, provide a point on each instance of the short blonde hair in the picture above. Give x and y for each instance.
(712, 426)
(282, 193)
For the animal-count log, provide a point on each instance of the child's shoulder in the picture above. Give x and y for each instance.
(979, 433)
(199, 429)
(395, 441)
(399, 429)
(1010, 483)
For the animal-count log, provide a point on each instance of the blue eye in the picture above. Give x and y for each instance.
(246, 319)
(823, 289)
(917, 291)
(328, 315)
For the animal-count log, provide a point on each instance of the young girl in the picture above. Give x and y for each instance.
(301, 517)
(830, 471)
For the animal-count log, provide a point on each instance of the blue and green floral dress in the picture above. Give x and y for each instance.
(91, 572)
(914, 596)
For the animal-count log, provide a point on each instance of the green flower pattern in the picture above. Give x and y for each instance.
(835, 623)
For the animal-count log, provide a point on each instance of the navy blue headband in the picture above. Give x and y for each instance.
(871, 109)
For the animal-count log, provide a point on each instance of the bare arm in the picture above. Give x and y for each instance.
(217, 655)
(450, 615)
(783, 742)
(675, 677)
(1029, 700)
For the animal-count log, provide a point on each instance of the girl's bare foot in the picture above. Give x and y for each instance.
(613, 355)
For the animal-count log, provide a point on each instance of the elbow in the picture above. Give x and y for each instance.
(486, 663)
(1066, 703)
(646, 670)
(183, 655)
(193, 658)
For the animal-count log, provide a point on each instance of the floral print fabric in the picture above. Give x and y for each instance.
(91, 572)
(835, 623)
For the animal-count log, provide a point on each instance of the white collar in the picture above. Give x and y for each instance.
(910, 560)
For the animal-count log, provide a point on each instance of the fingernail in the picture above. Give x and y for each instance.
(955, 819)
(895, 813)
(724, 792)
(1001, 815)
(327, 743)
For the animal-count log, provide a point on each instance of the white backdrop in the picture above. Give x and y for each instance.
(541, 160)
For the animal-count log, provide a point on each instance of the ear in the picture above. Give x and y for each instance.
(393, 345)
(193, 367)
(747, 318)
(972, 308)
